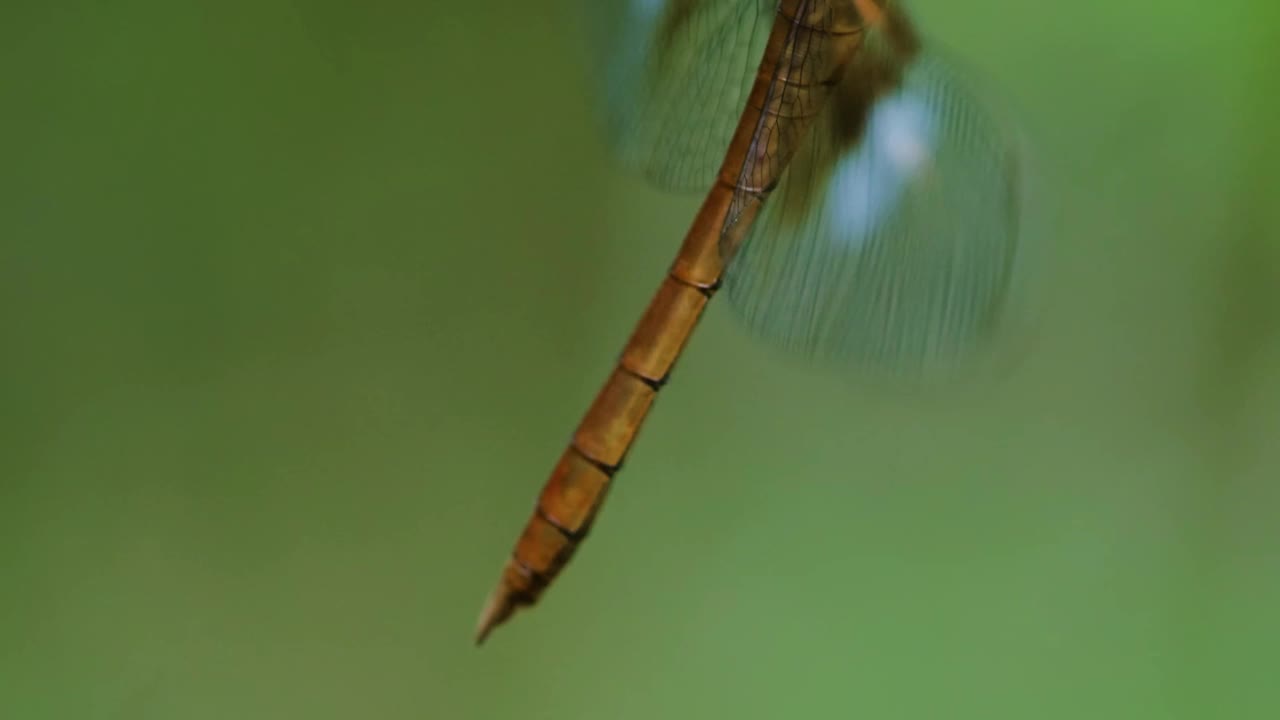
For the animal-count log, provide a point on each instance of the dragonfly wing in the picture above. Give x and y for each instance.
(897, 248)
(674, 77)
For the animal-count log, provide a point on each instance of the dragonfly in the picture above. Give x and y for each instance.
(863, 207)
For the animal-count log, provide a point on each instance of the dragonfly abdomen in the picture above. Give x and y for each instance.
(808, 45)
(578, 484)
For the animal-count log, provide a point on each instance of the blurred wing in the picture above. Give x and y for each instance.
(898, 251)
(674, 77)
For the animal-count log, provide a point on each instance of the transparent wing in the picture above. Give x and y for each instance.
(898, 251)
(674, 77)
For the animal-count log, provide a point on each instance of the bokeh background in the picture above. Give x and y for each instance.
(299, 302)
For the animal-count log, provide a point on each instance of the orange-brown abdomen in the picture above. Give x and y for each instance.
(810, 43)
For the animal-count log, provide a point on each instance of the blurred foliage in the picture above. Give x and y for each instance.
(301, 300)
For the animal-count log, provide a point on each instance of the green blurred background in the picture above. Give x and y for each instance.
(302, 299)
